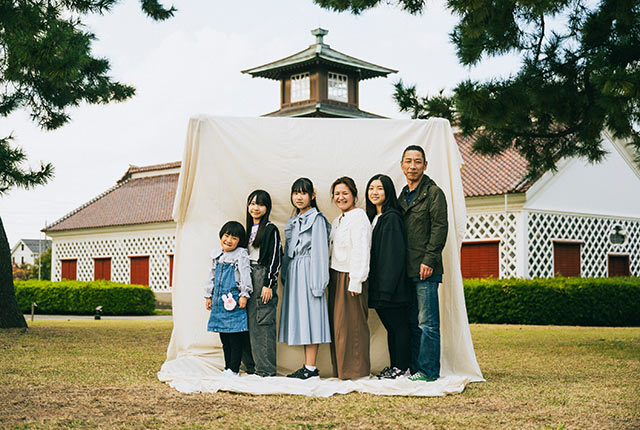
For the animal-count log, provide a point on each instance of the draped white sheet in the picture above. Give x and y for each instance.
(227, 158)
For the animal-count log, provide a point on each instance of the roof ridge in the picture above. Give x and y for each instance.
(79, 208)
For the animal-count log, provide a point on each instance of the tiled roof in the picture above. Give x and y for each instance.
(326, 107)
(318, 53)
(486, 176)
(142, 169)
(134, 201)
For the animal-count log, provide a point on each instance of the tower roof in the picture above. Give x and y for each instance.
(318, 53)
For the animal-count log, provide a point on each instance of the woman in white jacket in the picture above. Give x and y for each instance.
(350, 248)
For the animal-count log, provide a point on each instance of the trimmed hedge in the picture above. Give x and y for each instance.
(82, 298)
(558, 301)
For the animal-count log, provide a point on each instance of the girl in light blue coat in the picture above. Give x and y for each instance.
(304, 317)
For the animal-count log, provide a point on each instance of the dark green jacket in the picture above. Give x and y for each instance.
(426, 224)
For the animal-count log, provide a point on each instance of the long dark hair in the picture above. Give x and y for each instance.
(264, 199)
(390, 199)
(303, 185)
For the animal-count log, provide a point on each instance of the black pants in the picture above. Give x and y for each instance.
(396, 321)
(232, 346)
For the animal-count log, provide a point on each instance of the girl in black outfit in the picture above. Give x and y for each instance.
(265, 254)
(388, 289)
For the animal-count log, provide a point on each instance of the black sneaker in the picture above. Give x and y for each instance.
(393, 373)
(304, 373)
(384, 373)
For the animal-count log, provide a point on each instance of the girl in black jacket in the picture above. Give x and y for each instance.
(388, 288)
(265, 253)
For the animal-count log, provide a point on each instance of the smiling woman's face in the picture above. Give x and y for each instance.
(376, 193)
(343, 198)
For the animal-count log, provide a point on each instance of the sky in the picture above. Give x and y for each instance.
(190, 65)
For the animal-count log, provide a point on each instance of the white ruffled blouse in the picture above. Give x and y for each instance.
(351, 247)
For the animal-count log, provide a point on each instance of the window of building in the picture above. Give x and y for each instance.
(139, 270)
(338, 86)
(22, 247)
(300, 88)
(102, 268)
(68, 271)
(480, 259)
(566, 259)
(619, 265)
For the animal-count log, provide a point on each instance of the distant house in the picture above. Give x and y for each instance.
(125, 234)
(26, 250)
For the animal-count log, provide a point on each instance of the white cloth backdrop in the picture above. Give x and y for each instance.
(227, 158)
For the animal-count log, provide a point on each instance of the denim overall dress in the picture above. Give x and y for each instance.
(222, 320)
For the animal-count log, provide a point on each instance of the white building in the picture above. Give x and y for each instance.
(26, 250)
(583, 220)
(125, 234)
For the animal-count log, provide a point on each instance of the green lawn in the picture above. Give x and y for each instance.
(102, 375)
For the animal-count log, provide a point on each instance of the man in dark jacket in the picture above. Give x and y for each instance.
(425, 216)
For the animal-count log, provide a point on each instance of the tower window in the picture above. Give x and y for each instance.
(338, 87)
(300, 89)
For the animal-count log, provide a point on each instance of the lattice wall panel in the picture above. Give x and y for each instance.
(501, 226)
(594, 232)
(119, 249)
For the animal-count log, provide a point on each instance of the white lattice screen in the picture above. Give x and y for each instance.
(157, 247)
(502, 226)
(594, 232)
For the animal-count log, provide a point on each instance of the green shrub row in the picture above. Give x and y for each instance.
(558, 301)
(82, 298)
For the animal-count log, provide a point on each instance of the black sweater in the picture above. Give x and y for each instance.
(270, 257)
(387, 271)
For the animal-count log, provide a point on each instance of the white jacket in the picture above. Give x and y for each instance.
(350, 247)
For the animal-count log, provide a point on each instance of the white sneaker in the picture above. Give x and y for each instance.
(228, 373)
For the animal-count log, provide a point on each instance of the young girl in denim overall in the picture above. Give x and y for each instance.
(227, 292)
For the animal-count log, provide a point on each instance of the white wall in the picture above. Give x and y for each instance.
(611, 187)
(155, 240)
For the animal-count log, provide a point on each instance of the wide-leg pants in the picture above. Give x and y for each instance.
(259, 353)
(349, 328)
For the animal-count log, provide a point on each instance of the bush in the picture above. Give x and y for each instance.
(80, 297)
(558, 301)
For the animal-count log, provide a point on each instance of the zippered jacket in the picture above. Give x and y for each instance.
(426, 224)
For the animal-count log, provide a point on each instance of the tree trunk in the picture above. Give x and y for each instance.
(10, 314)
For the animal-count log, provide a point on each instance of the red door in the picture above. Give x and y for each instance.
(566, 259)
(480, 259)
(139, 270)
(102, 269)
(619, 265)
(68, 271)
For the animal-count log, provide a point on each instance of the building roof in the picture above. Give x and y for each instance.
(155, 168)
(323, 108)
(318, 53)
(483, 175)
(34, 245)
(133, 201)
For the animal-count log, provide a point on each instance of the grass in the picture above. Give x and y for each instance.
(102, 374)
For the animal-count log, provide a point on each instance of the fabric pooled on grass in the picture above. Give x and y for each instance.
(186, 376)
